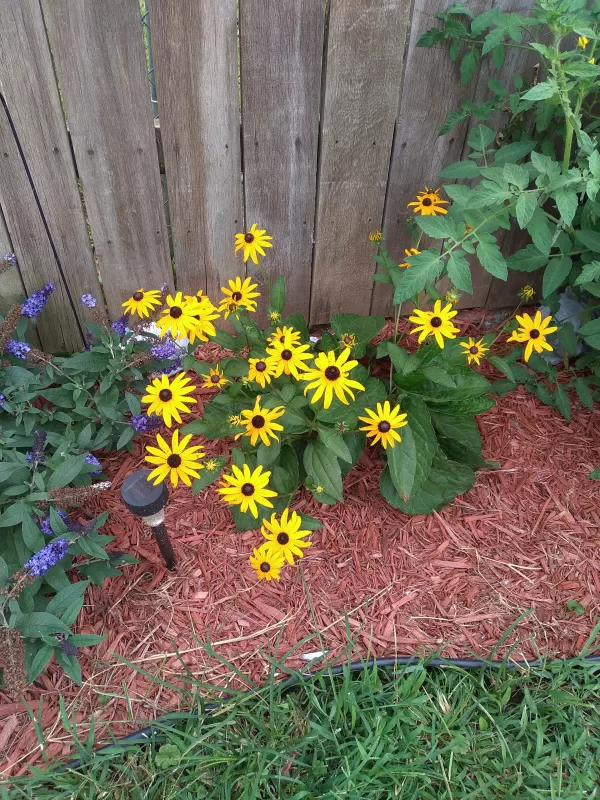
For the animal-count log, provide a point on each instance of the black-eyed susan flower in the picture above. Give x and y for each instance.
(260, 423)
(241, 293)
(452, 297)
(235, 420)
(348, 340)
(178, 318)
(274, 316)
(212, 465)
(262, 370)
(284, 535)
(381, 425)
(429, 203)
(409, 254)
(203, 312)
(329, 376)
(176, 461)
(288, 358)
(168, 398)
(527, 292)
(284, 334)
(247, 489)
(142, 303)
(474, 351)
(375, 236)
(215, 378)
(435, 323)
(266, 563)
(532, 333)
(252, 244)
(583, 42)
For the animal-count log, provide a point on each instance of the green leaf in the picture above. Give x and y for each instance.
(67, 471)
(591, 328)
(267, 455)
(225, 339)
(438, 227)
(527, 260)
(459, 271)
(18, 376)
(566, 202)
(133, 403)
(425, 268)
(589, 238)
(594, 163)
(324, 469)
(498, 55)
(65, 598)
(555, 274)
(502, 365)
(40, 623)
(14, 514)
(445, 481)
(582, 69)
(85, 639)
(512, 152)
(409, 461)
(32, 536)
(563, 403)
(595, 474)
(541, 91)
(310, 523)
(3, 573)
(492, 260)
(88, 361)
(468, 66)
(568, 338)
(40, 662)
(364, 329)
(516, 175)
(461, 169)
(98, 571)
(480, 136)
(69, 664)
(334, 442)
(277, 299)
(540, 231)
(590, 272)
(126, 436)
(526, 206)
(582, 387)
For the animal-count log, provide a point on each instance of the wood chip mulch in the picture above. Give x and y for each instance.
(524, 539)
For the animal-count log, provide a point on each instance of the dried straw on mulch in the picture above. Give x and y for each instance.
(525, 538)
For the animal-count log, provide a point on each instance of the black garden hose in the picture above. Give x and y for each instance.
(143, 735)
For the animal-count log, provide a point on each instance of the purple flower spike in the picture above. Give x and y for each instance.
(144, 424)
(88, 300)
(35, 303)
(17, 349)
(45, 523)
(10, 259)
(120, 325)
(165, 350)
(91, 459)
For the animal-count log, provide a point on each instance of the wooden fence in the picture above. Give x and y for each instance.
(318, 119)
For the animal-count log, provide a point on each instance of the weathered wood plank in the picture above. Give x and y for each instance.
(12, 287)
(364, 58)
(99, 56)
(195, 58)
(281, 49)
(29, 88)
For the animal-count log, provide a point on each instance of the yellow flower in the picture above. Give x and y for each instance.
(177, 460)
(319, 489)
(582, 42)
(288, 358)
(591, 60)
(274, 316)
(142, 303)
(284, 536)
(409, 254)
(211, 465)
(215, 379)
(534, 332)
(266, 563)
(468, 229)
(452, 296)
(235, 420)
(247, 489)
(177, 319)
(474, 351)
(436, 323)
(260, 422)
(349, 339)
(375, 236)
(240, 294)
(168, 398)
(203, 312)
(429, 203)
(330, 375)
(381, 425)
(280, 335)
(262, 370)
(252, 243)
(527, 292)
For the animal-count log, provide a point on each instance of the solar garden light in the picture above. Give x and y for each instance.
(148, 502)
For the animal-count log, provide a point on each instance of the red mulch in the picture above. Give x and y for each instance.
(525, 537)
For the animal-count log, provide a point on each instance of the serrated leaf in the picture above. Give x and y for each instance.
(541, 91)
(567, 202)
(459, 271)
(480, 136)
(512, 152)
(589, 238)
(582, 387)
(516, 175)
(590, 272)
(492, 260)
(438, 227)
(334, 442)
(425, 268)
(527, 260)
(582, 69)
(32, 536)
(468, 66)
(563, 403)
(364, 328)
(540, 231)
(461, 169)
(555, 274)
(526, 206)
(568, 338)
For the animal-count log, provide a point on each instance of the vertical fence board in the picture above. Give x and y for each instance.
(99, 55)
(29, 89)
(12, 287)
(195, 57)
(281, 54)
(364, 59)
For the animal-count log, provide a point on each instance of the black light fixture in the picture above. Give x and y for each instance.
(148, 502)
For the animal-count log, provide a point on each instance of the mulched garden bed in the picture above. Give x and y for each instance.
(524, 538)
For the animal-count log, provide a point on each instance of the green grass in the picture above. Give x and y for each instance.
(410, 733)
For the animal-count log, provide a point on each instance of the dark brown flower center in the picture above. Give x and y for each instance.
(534, 333)
(237, 296)
(174, 460)
(282, 339)
(232, 307)
(347, 340)
(282, 538)
(138, 296)
(260, 366)
(248, 489)
(426, 201)
(258, 421)
(165, 395)
(436, 322)
(474, 350)
(249, 237)
(384, 426)
(265, 567)
(286, 354)
(215, 378)
(332, 373)
(176, 312)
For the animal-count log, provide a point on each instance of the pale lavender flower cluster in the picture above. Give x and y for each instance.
(2, 399)
(120, 325)
(91, 459)
(88, 300)
(36, 302)
(167, 349)
(47, 557)
(144, 424)
(36, 455)
(45, 523)
(17, 349)
(10, 259)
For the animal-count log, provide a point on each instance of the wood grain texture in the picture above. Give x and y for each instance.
(364, 60)
(195, 58)
(281, 50)
(29, 88)
(100, 63)
(12, 288)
